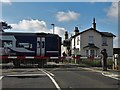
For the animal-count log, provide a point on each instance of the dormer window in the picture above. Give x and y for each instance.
(91, 39)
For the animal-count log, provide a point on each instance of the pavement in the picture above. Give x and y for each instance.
(109, 73)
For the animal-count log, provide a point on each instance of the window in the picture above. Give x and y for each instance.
(6, 43)
(43, 44)
(24, 45)
(104, 41)
(92, 52)
(78, 40)
(87, 53)
(91, 39)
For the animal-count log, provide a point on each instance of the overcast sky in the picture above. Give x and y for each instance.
(38, 16)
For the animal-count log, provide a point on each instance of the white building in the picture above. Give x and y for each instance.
(90, 42)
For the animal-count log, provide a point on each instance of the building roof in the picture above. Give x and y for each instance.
(107, 34)
(25, 33)
(90, 45)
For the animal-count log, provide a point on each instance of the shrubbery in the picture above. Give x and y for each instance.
(96, 62)
(93, 63)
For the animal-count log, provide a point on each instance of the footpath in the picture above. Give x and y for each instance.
(115, 74)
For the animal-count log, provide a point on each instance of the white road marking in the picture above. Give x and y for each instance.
(114, 76)
(1, 77)
(49, 73)
(22, 75)
(52, 79)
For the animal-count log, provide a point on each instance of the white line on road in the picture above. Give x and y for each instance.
(22, 75)
(107, 74)
(1, 77)
(53, 80)
(49, 73)
(111, 76)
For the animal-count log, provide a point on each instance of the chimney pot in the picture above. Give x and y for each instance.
(94, 24)
(76, 30)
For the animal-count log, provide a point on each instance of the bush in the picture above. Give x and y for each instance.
(110, 63)
(97, 62)
(93, 63)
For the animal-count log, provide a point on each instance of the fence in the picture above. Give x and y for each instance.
(90, 61)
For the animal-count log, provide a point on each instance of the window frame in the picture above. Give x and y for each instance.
(78, 39)
(104, 41)
(91, 39)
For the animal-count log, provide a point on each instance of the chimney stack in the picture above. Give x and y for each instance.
(76, 31)
(94, 24)
(66, 35)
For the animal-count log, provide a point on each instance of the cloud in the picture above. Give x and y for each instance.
(35, 26)
(30, 26)
(59, 30)
(6, 1)
(67, 16)
(112, 11)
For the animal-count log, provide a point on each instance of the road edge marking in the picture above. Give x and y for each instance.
(1, 77)
(22, 75)
(111, 76)
(52, 79)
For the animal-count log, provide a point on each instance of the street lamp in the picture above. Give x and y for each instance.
(53, 27)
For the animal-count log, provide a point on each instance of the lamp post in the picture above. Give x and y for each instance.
(53, 27)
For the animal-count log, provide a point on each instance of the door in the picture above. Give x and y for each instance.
(40, 46)
(91, 52)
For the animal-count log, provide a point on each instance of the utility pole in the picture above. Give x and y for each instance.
(53, 27)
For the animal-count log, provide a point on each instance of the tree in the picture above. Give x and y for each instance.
(4, 25)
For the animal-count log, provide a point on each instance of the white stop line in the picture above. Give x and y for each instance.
(52, 79)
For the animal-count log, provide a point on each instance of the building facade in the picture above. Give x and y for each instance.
(90, 42)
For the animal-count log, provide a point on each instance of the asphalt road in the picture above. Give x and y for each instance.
(57, 79)
(80, 78)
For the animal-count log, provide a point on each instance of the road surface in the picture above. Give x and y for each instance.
(75, 78)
